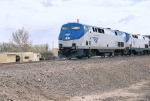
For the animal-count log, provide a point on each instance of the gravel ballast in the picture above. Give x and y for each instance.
(64, 80)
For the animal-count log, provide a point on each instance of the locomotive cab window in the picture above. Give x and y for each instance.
(75, 27)
(65, 28)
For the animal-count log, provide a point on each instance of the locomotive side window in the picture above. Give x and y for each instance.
(100, 30)
(115, 33)
(122, 44)
(93, 29)
(103, 31)
(135, 36)
(119, 44)
(89, 42)
(86, 42)
(146, 45)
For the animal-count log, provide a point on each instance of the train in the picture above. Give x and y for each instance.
(78, 40)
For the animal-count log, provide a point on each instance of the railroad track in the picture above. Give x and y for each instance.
(74, 59)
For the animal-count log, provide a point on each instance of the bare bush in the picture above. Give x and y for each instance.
(48, 55)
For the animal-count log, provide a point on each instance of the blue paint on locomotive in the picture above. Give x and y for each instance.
(127, 37)
(71, 31)
(119, 33)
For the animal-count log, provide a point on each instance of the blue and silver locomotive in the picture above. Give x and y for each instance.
(79, 40)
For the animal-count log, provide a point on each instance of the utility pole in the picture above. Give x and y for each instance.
(52, 45)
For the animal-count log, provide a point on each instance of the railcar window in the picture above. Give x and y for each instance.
(75, 27)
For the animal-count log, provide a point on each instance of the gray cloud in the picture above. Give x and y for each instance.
(128, 18)
(48, 3)
(136, 1)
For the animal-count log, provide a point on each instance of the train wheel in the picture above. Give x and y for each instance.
(79, 57)
(89, 56)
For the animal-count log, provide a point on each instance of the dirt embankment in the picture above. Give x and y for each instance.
(92, 79)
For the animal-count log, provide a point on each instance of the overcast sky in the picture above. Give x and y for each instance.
(43, 18)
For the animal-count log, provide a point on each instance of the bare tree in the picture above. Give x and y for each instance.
(20, 40)
(46, 47)
(5, 47)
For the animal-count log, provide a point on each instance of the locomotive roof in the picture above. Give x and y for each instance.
(104, 28)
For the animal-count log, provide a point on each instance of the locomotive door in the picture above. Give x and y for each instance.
(89, 53)
(89, 39)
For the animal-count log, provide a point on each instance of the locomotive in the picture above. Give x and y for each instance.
(78, 40)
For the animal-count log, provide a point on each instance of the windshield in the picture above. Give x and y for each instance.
(65, 28)
(75, 27)
(69, 27)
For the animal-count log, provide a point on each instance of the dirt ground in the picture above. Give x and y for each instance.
(137, 92)
(96, 79)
